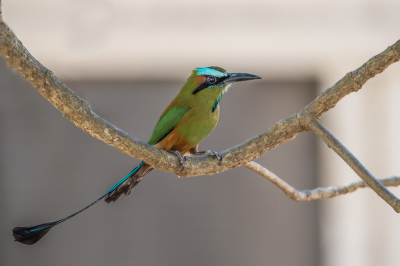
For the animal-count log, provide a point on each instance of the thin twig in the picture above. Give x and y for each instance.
(355, 164)
(317, 193)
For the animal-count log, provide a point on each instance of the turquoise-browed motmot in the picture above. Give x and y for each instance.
(187, 120)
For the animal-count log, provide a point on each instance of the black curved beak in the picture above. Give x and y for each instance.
(236, 77)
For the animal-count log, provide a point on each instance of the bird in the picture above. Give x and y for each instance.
(186, 121)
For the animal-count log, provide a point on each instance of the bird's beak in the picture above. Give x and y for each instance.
(236, 77)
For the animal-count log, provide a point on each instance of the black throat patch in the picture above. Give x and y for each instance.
(216, 103)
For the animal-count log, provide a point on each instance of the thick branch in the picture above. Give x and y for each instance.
(356, 165)
(1, 11)
(317, 193)
(352, 82)
(79, 112)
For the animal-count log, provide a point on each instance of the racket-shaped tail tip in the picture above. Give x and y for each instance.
(30, 235)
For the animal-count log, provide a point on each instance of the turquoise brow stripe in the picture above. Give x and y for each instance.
(210, 72)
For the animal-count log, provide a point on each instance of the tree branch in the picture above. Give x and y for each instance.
(355, 164)
(79, 112)
(317, 193)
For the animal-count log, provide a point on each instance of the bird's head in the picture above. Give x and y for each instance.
(216, 79)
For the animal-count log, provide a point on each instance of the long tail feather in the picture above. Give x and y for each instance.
(31, 234)
(127, 184)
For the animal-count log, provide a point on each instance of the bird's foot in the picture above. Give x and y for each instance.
(214, 154)
(182, 158)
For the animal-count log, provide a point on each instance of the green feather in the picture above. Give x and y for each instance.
(168, 120)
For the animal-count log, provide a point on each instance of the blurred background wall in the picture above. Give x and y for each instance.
(129, 59)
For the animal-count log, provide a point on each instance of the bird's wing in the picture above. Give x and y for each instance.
(168, 120)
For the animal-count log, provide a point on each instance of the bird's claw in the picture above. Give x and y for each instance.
(182, 158)
(214, 154)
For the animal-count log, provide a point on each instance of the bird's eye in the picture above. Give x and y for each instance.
(211, 79)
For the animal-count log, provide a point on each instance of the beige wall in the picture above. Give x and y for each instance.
(275, 39)
(143, 38)
(361, 229)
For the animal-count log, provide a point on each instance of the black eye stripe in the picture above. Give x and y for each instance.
(222, 79)
(201, 87)
(206, 84)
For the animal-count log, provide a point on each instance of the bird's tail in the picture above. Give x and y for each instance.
(128, 183)
(31, 234)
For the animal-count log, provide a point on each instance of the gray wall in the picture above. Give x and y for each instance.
(49, 169)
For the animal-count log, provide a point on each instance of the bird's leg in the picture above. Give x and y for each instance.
(210, 153)
(182, 158)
